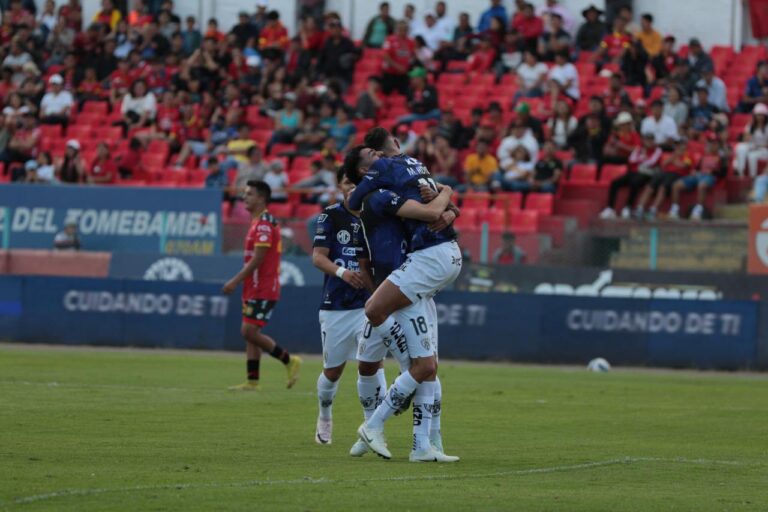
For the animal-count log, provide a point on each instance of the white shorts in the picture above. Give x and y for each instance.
(340, 332)
(419, 322)
(428, 271)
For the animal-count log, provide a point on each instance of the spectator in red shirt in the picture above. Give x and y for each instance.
(622, 141)
(530, 27)
(213, 31)
(103, 170)
(129, 162)
(72, 13)
(642, 167)
(615, 43)
(90, 89)
(273, 40)
(481, 60)
(616, 98)
(399, 54)
(23, 143)
(674, 167)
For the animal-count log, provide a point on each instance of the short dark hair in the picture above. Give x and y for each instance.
(375, 139)
(213, 161)
(261, 188)
(657, 103)
(647, 17)
(340, 173)
(351, 165)
(384, 4)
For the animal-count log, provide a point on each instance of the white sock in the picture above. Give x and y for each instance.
(423, 403)
(326, 391)
(401, 389)
(434, 428)
(381, 377)
(390, 331)
(370, 392)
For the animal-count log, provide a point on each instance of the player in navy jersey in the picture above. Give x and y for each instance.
(386, 240)
(337, 248)
(433, 263)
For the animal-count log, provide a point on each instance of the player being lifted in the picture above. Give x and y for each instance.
(261, 286)
(433, 263)
(386, 239)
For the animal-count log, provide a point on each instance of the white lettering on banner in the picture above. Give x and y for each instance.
(653, 322)
(136, 222)
(33, 220)
(88, 301)
(603, 287)
(459, 314)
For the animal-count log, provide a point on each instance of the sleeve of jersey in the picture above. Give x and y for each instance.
(390, 202)
(367, 185)
(323, 231)
(263, 235)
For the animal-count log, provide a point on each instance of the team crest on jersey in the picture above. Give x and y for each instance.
(426, 344)
(343, 236)
(355, 227)
(322, 217)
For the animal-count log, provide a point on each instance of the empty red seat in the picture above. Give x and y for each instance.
(100, 108)
(524, 222)
(467, 219)
(305, 211)
(583, 174)
(50, 130)
(496, 219)
(509, 201)
(610, 172)
(542, 203)
(476, 200)
(281, 210)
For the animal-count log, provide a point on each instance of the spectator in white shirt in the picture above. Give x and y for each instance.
(445, 25)
(718, 96)
(662, 127)
(139, 106)
(15, 61)
(563, 77)
(431, 33)
(531, 75)
(520, 136)
(57, 103)
(554, 7)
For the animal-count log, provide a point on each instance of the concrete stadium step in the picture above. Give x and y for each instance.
(733, 212)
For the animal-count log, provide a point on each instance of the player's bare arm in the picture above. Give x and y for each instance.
(247, 270)
(321, 260)
(366, 272)
(429, 212)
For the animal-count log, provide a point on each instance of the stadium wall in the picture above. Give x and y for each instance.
(519, 327)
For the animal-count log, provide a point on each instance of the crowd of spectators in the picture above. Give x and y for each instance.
(579, 89)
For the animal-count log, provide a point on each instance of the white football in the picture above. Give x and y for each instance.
(599, 364)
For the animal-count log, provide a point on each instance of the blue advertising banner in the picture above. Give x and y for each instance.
(699, 334)
(170, 221)
(294, 270)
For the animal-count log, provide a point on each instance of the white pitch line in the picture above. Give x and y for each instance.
(405, 478)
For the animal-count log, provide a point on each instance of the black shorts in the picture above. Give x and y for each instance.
(258, 311)
(665, 179)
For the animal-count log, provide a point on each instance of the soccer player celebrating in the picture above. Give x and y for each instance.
(261, 286)
(386, 240)
(338, 245)
(434, 262)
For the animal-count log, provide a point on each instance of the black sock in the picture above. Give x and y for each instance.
(280, 353)
(253, 369)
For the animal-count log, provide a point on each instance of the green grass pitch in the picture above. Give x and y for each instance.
(134, 430)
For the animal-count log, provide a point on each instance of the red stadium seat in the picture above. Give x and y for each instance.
(281, 210)
(524, 222)
(610, 172)
(496, 219)
(306, 211)
(476, 200)
(50, 130)
(583, 174)
(509, 201)
(542, 203)
(99, 108)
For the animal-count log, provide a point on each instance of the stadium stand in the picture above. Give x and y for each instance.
(167, 97)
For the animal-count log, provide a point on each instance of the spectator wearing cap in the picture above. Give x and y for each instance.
(754, 145)
(664, 63)
(718, 93)
(399, 54)
(698, 59)
(108, 16)
(422, 98)
(103, 170)
(662, 127)
(338, 56)
(703, 113)
(555, 39)
(642, 166)
(57, 103)
(674, 167)
(616, 98)
(622, 141)
(563, 78)
(554, 8)
(71, 168)
(23, 144)
(288, 120)
(712, 165)
(480, 167)
(529, 26)
(756, 90)
(592, 31)
(648, 36)
(496, 10)
(379, 27)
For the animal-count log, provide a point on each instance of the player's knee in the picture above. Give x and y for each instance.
(367, 369)
(422, 368)
(249, 332)
(333, 374)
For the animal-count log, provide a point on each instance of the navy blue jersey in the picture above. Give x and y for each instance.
(402, 175)
(384, 233)
(341, 233)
